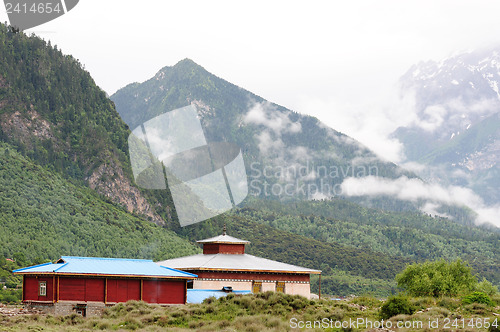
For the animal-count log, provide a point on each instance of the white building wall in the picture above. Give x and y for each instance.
(291, 288)
(218, 284)
(298, 289)
(268, 286)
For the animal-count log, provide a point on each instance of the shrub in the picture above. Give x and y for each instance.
(439, 312)
(131, 324)
(487, 287)
(476, 309)
(209, 300)
(396, 305)
(73, 319)
(449, 303)
(103, 326)
(366, 301)
(299, 303)
(337, 314)
(439, 278)
(422, 302)
(496, 299)
(244, 302)
(478, 297)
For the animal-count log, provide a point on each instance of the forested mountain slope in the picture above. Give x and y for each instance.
(44, 216)
(53, 112)
(409, 235)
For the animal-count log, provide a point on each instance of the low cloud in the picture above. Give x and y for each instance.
(453, 112)
(414, 167)
(432, 209)
(370, 123)
(415, 190)
(275, 124)
(268, 144)
(267, 115)
(432, 118)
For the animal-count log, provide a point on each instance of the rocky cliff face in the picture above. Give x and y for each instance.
(108, 179)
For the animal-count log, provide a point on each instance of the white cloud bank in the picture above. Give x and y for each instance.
(414, 190)
(371, 123)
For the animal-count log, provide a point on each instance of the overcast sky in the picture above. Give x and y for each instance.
(337, 61)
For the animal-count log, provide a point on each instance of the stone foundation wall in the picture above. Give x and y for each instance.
(63, 308)
(47, 309)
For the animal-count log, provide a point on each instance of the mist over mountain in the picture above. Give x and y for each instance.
(288, 155)
(456, 131)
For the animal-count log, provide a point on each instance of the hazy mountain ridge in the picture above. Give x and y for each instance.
(269, 135)
(457, 128)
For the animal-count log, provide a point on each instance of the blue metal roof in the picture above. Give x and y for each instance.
(106, 266)
(198, 295)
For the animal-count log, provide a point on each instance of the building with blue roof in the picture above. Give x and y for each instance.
(87, 284)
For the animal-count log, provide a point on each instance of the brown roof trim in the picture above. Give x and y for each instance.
(247, 270)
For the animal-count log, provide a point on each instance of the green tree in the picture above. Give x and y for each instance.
(437, 278)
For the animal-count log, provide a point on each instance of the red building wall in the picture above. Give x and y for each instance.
(31, 288)
(223, 248)
(252, 276)
(164, 291)
(122, 290)
(81, 289)
(84, 289)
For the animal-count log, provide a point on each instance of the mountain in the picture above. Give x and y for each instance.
(287, 155)
(277, 145)
(68, 188)
(52, 111)
(457, 128)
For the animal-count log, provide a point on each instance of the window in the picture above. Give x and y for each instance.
(257, 287)
(42, 288)
(280, 286)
